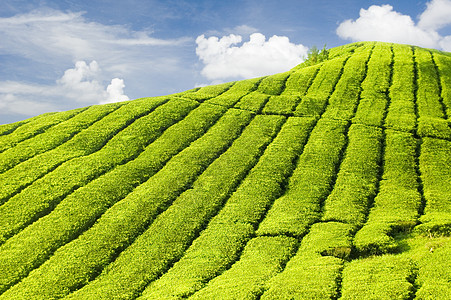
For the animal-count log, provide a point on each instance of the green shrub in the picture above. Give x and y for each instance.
(79, 210)
(299, 82)
(315, 99)
(262, 258)
(254, 101)
(43, 195)
(54, 136)
(397, 204)
(344, 50)
(431, 112)
(435, 168)
(401, 113)
(345, 98)
(374, 95)
(357, 179)
(434, 273)
(274, 84)
(310, 183)
(125, 220)
(315, 56)
(221, 242)
(240, 89)
(177, 226)
(281, 105)
(87, 142)
(434, 127)
(443, 64)
(306, 277)
(208, 92)
(313, 273)
(384, 277)
(10, 128)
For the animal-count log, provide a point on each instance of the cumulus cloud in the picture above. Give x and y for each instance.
(80, 84)
(46, 41)
(225, 58)
(115, 91)
(436, 16)
(382, 23)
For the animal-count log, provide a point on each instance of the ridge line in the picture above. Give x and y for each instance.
(64, 141)
(45, 128)
(19, 189)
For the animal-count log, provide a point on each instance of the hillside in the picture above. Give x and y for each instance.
(330, 181)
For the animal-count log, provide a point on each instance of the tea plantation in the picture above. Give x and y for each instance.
(329, 181)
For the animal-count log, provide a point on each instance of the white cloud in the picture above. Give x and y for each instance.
(13, 104)
(436, 16)
(445, 44)
(382, 23)
(241, 30)
(257, 57)
(46, 41)
(115, 91)
(44, 34)
(80, 85)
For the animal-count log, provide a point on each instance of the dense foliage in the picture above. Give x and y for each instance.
(329, 181)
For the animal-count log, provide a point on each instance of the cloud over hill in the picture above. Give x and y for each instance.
(223, 58)
(382, 23)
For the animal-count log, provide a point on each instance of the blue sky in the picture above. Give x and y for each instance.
(58, 55)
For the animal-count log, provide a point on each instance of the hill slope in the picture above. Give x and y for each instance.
(325, 182)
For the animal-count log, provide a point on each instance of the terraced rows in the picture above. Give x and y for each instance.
(324, 182)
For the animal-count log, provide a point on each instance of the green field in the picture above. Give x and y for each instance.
(328, 181)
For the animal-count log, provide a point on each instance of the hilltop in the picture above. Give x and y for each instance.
(328, 181)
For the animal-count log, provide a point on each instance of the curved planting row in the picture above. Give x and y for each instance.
(34, 127)
(219, 245)
(54, 136)
(432, 121)
(154, 159)
(44, 194)
(106, 134)
(175, 228)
